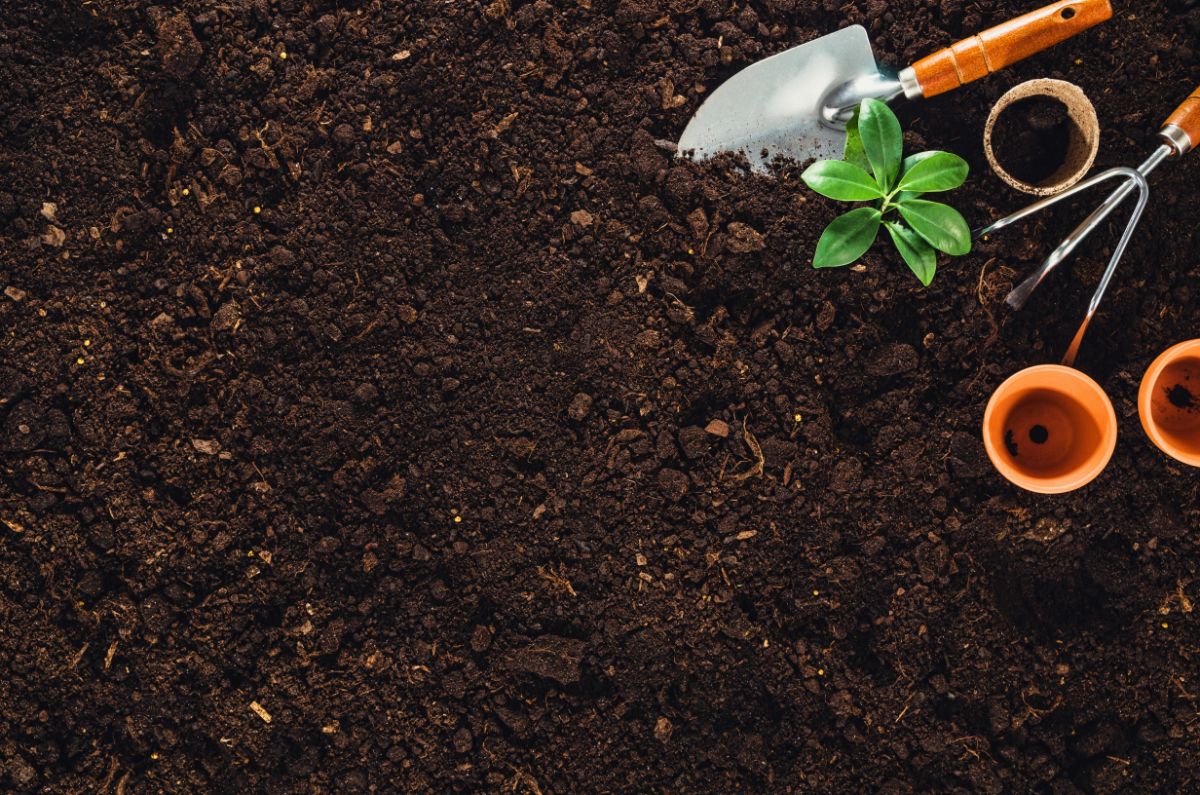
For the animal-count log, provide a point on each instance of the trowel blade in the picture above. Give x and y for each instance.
(772, 108)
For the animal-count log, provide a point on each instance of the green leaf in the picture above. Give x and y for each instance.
(937, 171)
(883, 140)
(847, 238)
(941, 226)
(905, 167)
(919, 255)
(855, 152)
(912, 160)
(842, 181)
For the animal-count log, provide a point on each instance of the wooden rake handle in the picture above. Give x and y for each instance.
(1186, 121)
(1005, 44)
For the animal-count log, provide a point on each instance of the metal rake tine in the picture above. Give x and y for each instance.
(1020, 295)
(1143, 199)
(1042, 204)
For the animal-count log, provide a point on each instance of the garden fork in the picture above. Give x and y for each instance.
(1180, 134)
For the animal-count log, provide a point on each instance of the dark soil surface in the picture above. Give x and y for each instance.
(1031, 138)
(399, 416)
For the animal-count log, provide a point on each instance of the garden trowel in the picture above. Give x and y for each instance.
(796, 104)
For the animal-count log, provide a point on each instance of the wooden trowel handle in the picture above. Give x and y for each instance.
(1182, 128)
(1005, 44)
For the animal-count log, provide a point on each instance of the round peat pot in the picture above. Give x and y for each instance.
(1042, 136)
(1050, 429)
(1169, 402)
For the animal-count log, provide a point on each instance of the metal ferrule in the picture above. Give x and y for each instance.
(910, 83)
(1177, 139)
(839, 104)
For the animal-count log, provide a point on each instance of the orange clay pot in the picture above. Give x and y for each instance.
(1050, 429)
(1169, 402)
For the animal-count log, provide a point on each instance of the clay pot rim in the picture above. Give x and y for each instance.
(1146, 394)
(1081, 111)
(1064, 484)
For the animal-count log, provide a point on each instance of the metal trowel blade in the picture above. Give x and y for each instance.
(772, 108)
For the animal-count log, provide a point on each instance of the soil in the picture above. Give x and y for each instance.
(1038, 434)
(1032, 138)
(383, 409)
(1181, 397)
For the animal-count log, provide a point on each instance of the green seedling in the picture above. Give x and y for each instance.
(894, 185)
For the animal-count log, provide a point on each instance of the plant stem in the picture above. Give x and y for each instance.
(887, 200)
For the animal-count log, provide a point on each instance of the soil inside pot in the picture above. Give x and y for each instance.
(1032, 138)
(1181, 397)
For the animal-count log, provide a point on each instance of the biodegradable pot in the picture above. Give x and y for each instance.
(1169, 402)
(1084, 134)
(1050, 429)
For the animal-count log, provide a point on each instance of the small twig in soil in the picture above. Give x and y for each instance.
(113, 766)
(1185, 604)
(708, 237)
(258, 710)
(557, 578)
(994, 331)
(520, 777)
(267, 147)
(757, 469)
(369, 328)
(227, 277)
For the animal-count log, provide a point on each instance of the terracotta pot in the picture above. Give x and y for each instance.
(1050, 429)
(1169, 402)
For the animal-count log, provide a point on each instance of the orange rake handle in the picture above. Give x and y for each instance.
(1186, 121)
(1004, 45)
